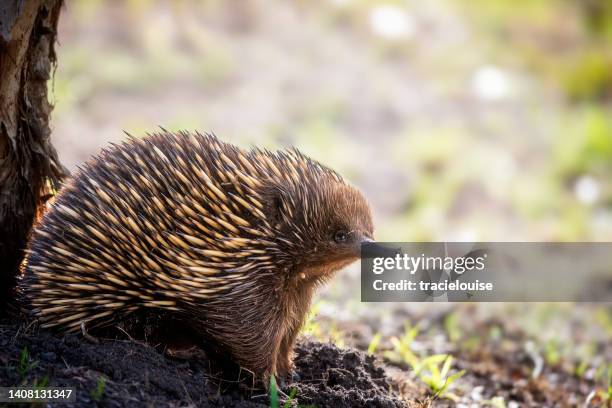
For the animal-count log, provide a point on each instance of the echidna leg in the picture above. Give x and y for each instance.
(285, 364)
(269, 365)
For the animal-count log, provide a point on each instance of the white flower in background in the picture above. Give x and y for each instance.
(587, 190)
(391, 22)
(491, 83)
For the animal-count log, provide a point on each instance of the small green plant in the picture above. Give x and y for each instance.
(374, 343)
(581, 368)
(25, 363)
(426, 369)
(273, 393)
(451, 326)
(98, 392)
(437, 379)
(401, 347)
(275, 400)
(606, 393)
(292, 395)
(42, 383)
(552, 352)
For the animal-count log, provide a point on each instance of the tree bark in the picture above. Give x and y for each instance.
(29, 168)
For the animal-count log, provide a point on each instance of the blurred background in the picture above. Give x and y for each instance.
(460, 120)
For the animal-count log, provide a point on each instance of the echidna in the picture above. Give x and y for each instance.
(231, 241)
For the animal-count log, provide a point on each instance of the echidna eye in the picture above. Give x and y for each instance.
(340, 236)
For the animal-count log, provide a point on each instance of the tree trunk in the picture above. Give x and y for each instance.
(29, 169)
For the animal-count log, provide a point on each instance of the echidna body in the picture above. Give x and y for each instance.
(231, 241)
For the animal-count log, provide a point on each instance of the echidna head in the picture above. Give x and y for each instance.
(346, 223)
(324, 219)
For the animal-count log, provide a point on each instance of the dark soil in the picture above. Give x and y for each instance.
(134, 374)
(332, 377)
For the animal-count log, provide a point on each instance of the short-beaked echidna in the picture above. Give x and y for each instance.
(231, 241)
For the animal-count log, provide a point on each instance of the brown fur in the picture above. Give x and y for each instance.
(231, 242)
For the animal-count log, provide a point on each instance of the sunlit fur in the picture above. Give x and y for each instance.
(231, 241)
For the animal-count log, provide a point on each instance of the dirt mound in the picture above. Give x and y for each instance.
(120, 373)
(332, 377)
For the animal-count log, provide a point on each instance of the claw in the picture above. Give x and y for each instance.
(88, 336)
